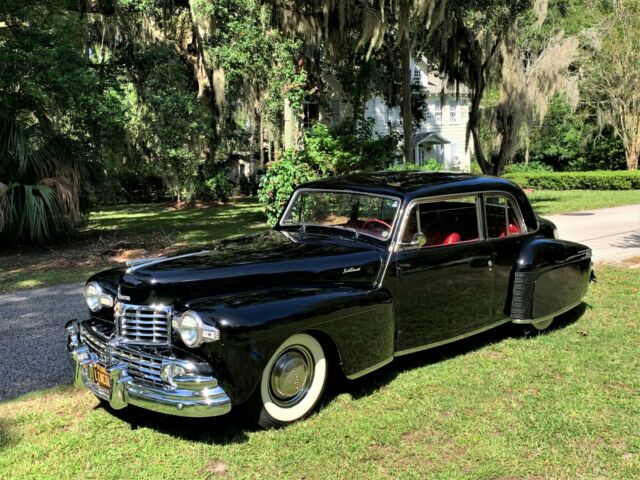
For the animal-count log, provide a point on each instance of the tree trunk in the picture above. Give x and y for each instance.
(261, 140)
(405, 54)
(632, 154)
(290, 126)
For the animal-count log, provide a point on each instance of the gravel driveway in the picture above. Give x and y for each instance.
(33, 352)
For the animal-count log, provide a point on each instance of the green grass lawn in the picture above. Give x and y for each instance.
(547, 202)
(189, 226)
(560, 405)
(155, 226)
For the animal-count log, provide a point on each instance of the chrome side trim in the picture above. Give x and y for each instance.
(364, 372)
(518, 321)
(452, 339)
(141, 263)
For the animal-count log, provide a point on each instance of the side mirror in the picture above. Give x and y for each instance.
(418, 240)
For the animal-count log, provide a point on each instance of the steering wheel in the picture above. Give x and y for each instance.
(375, 221)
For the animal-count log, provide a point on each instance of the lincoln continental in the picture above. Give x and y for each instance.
(359, 270)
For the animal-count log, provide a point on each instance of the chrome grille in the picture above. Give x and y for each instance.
(144, 367)
(95, 344)
(144, 323)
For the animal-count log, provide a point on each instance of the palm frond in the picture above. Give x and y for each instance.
(67, 194)
(40, 212)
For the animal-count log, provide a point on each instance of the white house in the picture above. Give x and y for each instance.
(442, 134)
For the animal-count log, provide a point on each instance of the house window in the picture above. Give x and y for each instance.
(438, 113)
(453, 113)
(311, 114)
(417, 77)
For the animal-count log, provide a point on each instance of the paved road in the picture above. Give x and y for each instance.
(32, 341)
(612, 233)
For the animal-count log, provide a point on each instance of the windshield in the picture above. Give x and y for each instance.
(364, 214)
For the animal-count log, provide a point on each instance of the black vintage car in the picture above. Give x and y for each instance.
(359, 270)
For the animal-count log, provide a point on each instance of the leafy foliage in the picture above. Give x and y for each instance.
(348, 147)
(279, 182)
(558, 142)
(597, 180)
(220, 186)
(343, 148)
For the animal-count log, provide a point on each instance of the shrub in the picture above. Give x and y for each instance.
(597, 180)
(348, 147)
(530, 167)
(220, 186)
(278, 183)
(430, 166)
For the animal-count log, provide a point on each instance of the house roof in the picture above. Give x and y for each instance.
(430, 138)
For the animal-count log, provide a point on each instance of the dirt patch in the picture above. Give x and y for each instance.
(214, 468)
(94, 253)
(633, 262)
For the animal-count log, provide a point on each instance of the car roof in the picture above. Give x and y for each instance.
(411, 185)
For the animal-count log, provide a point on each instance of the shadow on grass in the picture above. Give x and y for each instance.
(374, 381)
(6, 438)
(235, 426)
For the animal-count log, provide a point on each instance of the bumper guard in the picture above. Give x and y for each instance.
(190, 395)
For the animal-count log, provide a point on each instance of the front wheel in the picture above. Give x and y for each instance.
(292, 381)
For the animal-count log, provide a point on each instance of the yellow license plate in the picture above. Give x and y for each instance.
(100, 376)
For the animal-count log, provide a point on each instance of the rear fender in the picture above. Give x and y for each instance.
(551, 277)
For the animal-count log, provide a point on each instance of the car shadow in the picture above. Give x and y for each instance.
(376, 380)
(235, 426)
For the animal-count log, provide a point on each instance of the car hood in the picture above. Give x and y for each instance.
(268, 259)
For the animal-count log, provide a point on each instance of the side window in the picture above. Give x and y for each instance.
(446, 222)
(502, 220)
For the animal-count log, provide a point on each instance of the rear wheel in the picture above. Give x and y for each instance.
(292, 381)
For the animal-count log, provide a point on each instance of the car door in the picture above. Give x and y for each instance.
(505, 232)
(446, 286)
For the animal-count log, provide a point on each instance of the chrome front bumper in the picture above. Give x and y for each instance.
(190, 395)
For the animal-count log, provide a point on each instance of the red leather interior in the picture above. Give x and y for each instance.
(513, 230)
(451, 239)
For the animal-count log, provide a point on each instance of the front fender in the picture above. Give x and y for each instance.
(551, 276)
(359, 322)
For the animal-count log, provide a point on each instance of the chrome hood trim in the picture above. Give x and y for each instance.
(145, 262)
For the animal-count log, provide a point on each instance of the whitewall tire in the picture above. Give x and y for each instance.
(292, 381)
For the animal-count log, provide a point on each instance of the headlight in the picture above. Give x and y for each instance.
(193, 331)
(96, 297)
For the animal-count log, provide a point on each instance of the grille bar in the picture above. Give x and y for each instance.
(149, 324)
(142, 366)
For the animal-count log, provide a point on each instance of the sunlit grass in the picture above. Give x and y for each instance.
(561, 405)
(546, 202)
(189, 227)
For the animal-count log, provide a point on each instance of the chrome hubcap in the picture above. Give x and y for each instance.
(291, 376)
